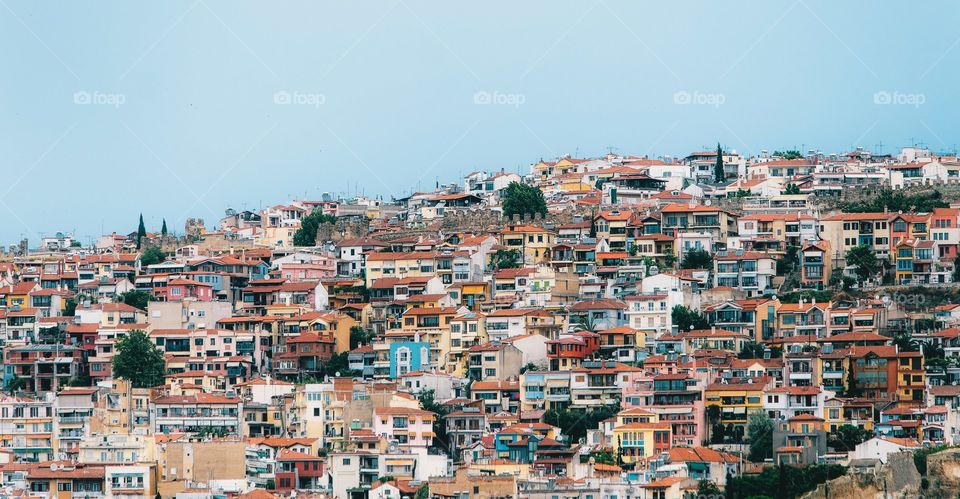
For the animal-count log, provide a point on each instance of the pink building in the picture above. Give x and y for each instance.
(411, 428)
(178, 289)
(676, 399)
(297, 272)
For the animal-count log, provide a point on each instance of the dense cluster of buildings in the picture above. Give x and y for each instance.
(431, 347)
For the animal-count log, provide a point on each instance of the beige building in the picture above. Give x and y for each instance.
(474, 486)
(532, 242)
(220, 464)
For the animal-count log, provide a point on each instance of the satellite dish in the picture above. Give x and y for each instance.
(337, 374)
(654, 270)
(53, 467)
(708, 202)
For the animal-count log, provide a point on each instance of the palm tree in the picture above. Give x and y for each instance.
(585, 323)
(905, 342)
(713, 414)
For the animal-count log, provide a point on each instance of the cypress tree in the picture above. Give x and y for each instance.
(718, 175)
(141, 232)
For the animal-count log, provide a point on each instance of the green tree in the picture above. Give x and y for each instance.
(529, 367)
(865, 260)
(718, 174)
(14, 385)
(604, 456)
(81, 379)
(152, 255)
(136, 298)
(306, 235)
(920, 457)
(697, 258)
(781, 482)
(338, 365)
(522, 199)
(706, 489)
(137, 359)
(788, 155)
(163, 229)
(718, 433)
(70, 309)
(956, 269)
(788, 262)
(428, 402)
(752, 350)
(896, 201)
(713, 415)
(423, 492)
(574, 424)
(360, 336)
(848, 436)
(905, 342)
(760, 435)
(141, 231)
(669, 260)
(792, 189)
(506, 259)
(686, 319)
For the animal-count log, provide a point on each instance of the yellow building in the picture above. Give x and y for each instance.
(635, 441)
(26, 428)
(844, 231)
(17, 295)
(467, 329)
(400, 265)
(332, 323)
(124, 410)
(532, 242)
(816, 264)
(549, 169)
(612, 227)
(472, 295)
(834, 369)
(432, 325)
(735, 401)
(755, 317)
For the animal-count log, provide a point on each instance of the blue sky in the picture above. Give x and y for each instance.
(178, 109)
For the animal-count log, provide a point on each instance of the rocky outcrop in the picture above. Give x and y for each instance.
(898, 479)
(943, 474)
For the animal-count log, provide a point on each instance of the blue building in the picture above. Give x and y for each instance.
(408, 356)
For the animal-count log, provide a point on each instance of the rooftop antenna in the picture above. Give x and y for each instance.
(879, 146)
